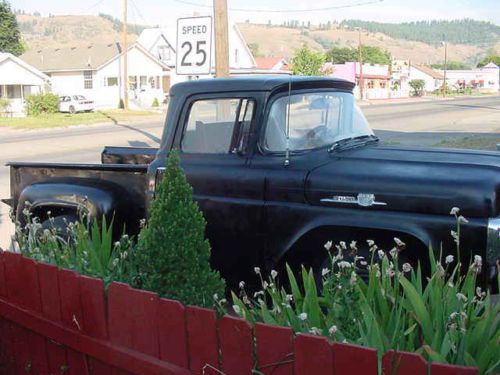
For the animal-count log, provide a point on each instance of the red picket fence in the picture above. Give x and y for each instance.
(54, 321)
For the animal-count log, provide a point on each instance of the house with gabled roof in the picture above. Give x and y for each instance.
(96, 71)
(18, 80)
(161, 42)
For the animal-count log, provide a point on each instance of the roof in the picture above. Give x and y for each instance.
(258, 83)
(491, 65)
(430, 72)
(89, 57)
(5, 56)
(269, 62)
(149, 37)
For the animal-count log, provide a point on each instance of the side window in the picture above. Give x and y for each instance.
(217, 126)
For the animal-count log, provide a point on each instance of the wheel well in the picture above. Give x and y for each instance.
(43, 212)
(309, 249)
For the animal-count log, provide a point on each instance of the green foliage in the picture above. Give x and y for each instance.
(452, 65)
(492, 56)
(254, 48)
(121, 104)
(118, 25)
(370, 55)
(155, 103)
(42, 103)
(307, 62)
(173, 257)
(4, 105)
(446, 319)
(83, 246)
(418, 86)
(464, 31)
(10, 36)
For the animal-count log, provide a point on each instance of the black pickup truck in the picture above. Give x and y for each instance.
(279, 166)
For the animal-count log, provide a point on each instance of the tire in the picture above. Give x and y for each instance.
(72, 109)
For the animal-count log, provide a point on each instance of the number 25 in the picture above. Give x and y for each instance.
(199, 51)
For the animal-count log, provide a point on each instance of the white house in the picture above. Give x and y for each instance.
(96, 72)
(485, 79)
(433, 79)
(161, 42)
(17, 81)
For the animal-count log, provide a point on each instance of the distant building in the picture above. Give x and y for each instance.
(161, 42)
(485, 79)
(96, 72)
(375, 78)
(400, 76)
(275, 64)
(432, 78)
(18, 80)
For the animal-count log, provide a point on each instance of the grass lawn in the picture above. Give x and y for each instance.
(489, 143)
(67, 119)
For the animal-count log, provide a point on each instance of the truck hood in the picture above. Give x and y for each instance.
(428, 181)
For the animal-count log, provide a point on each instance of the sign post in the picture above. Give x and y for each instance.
(194, 46)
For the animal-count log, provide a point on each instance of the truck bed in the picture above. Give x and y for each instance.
(128, 155)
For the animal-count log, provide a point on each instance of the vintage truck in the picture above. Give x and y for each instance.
(279, 166)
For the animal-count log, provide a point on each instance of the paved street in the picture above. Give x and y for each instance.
(423, 123)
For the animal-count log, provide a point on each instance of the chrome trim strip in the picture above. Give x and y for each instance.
(362, 199)
(493, 240)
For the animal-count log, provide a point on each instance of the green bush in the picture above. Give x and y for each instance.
(42, 103)
(446, 319)
(173, 256)
(121, 104)
(418, 86)
(4, 105)
(155, 103)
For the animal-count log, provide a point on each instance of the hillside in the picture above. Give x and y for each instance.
(464, 31)
(61, 31)
(285, 41)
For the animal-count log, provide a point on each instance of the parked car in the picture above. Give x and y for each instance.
(75, 103)
(279, 166)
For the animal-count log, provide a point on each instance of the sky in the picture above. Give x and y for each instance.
(163, 12)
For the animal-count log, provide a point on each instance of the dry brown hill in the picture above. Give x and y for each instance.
(282, 41)
(65, 31)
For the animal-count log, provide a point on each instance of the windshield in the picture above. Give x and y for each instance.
(316, 120)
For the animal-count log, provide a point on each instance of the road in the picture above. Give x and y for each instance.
(415, 123)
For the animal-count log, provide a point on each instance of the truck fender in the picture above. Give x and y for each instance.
(94, 198)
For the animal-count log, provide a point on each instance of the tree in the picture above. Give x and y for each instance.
(375, 55)
(173, 256)
(371, 55)
(307, 62)
(254, 48)
(418, 86)
(341, 55)
(451, 65)
(492, 56)
(10, 36)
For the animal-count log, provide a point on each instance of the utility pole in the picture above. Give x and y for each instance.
(221, 39)
(445, 66)
(360, 65)
(125, 58)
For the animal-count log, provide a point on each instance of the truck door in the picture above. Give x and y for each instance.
(229, 194)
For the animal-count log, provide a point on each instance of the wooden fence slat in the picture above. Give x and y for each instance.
(274, 349)
(3, 285)
(48, 276)
(445, 369)
(7, 361)
(236, 344)
(354, 359)
(93, 302)
(202, 338)
(172, 332)
(72, 317)
(308, 347)
(13, 277)
(403, 363)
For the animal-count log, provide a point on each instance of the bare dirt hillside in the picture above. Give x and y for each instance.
(281, 41)
(65, 31)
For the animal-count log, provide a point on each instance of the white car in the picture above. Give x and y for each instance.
(75, 103)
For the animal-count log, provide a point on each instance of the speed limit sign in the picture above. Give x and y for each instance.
(194, 45)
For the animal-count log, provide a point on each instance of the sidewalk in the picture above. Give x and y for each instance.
(422, 99)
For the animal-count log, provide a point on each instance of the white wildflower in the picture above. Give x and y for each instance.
(246, 301)
(353, 278)
(478, 291)
(315, 331)
(454, 211)
(274, 274)
(124, 255)
(242, 285)
(399, 243)
(265, 284)
(328, 245)
(370, 242)
(237, 309)
(406, 267)
(353, 246)
(289, 298)
(394, 252)
(115, 262)
(116, 244)
(259, 293)
(343, 264)
(449, 259)
(223, 301)
(462, 220)
(477, 264)
(363, 263)
(257, 270)
(332, 330)
(216, 296)
(453, 315)
(325, 271)
(455, 236)
(303, 316)
(381, 254)
(373, 248)
(142, 223)
(343, 245)
(461, 297)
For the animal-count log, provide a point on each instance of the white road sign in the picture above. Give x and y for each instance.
(194, 45)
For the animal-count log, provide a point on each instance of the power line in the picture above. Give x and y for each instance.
(93, 6)
(187, 2)
(136, 9)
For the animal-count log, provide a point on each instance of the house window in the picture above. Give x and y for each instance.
(110, 81)
(13, 91)
(236, 56)
(88, 82)
(371, 84)
(132, 82)
(383, 84)
(143, 82)
(152, 82)
(164, 53)
(157, 82)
